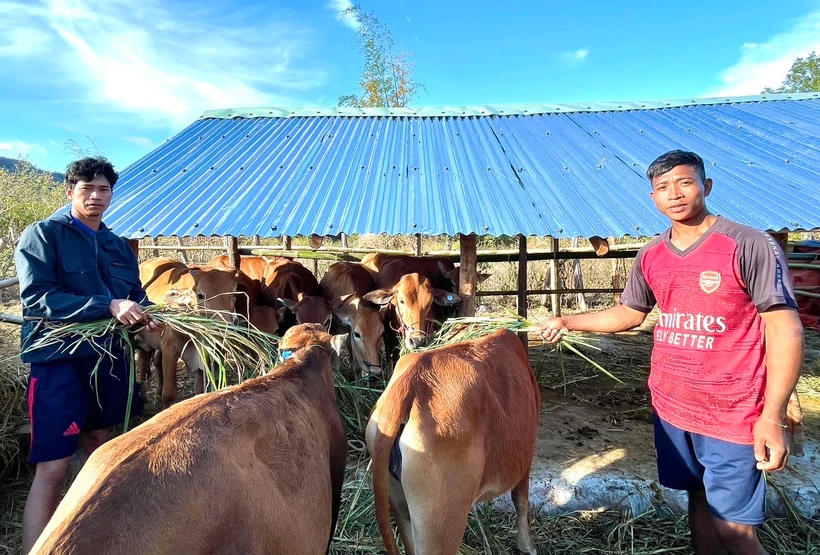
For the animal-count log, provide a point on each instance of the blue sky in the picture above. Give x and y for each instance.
(128, 75)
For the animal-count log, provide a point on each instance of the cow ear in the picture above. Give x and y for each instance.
(344, 314)
(289, 304)
(483, 277)
(445, 298)
(450, 274)
(336, 342)
(380, 296)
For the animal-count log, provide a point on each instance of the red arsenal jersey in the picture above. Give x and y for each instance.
(708, 372)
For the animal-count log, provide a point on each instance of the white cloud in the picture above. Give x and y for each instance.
(165, 67)
(140, 141)
(20, 148)
(348, 19)
(574, 58)
(765, 64)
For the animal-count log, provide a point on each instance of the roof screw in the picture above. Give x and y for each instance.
(795, 224)
(143, 229)
(330, 226)
(636, 228)
(560, 230)
(281, 166)
(446, 168)
(486, 228)
(413, 225)
(273, 227)
(489, 169)
(212, 167)
(241, 168)
(154, 170)
(183, 169)
(196, 224)
(310, 167)
(394, 166)
(362, 166)
(786, 161)
(566, 168)
(247, 136)
(520, 169)
(714, 163)
(634, 164)
(415, 168)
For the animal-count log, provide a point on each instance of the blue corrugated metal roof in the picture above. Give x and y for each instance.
(537, 170)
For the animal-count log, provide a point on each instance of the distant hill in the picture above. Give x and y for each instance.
(9, 164)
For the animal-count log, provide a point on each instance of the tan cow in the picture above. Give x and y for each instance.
(344, 285)
(251, 266)
(408, 297)
(154, 267)
(217, 289)
(254, 469)
(454, 426)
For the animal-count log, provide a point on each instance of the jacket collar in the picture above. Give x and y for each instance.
(66, 219)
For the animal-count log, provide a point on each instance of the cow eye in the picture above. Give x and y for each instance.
(401, 301)
(200, 296)
(357, 335)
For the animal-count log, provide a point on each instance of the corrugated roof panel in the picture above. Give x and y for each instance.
(537, 173)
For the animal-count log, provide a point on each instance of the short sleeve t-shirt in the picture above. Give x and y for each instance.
(708, 371)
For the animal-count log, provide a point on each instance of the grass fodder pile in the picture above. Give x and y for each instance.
(13, 416)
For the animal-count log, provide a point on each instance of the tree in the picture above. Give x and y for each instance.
(387, 78)
(804, 76)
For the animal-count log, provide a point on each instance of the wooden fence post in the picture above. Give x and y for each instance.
(182, 254)
(468, 276)
(286, 242)
(578, 276)
(232, 246)
(522, 283)
(555, 299)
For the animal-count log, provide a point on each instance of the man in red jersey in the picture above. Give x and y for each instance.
(727, 355)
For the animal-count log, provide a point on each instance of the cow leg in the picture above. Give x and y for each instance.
(171, 351)
(439, 496)
(794, 420)
(398, 502)
(521, 500)
(143, 364)
(156, 358)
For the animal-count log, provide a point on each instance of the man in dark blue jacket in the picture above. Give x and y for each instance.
(72, 268)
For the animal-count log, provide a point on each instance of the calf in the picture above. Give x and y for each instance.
(294, 289)
(216, 289)
(255, 468)
(344, 285)
(454, 426)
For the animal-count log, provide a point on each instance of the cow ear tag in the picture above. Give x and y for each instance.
(286, 354)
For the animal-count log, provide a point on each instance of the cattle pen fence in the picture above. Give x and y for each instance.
(599, 249)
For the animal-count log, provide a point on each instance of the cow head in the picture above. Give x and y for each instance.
(366, 329)
(453, 274)
(411, 299)
(310, 310)
(308, 336)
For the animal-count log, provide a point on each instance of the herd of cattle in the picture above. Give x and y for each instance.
(258, 467)
(394, 298)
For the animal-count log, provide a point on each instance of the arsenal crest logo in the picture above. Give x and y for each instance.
(709, 281)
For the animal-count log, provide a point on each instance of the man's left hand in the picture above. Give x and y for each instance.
(771, 445)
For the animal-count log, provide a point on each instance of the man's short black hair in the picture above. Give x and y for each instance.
(672, 159)
(87, 169)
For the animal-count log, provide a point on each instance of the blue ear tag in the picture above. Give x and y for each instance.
(449, 297)
(286, 354)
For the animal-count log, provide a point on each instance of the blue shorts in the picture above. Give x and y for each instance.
(65, 398)
(735, 489)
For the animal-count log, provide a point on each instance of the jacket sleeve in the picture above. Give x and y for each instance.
(36, 260)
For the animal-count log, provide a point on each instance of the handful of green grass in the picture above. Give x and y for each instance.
(225, 347)
(455, 330)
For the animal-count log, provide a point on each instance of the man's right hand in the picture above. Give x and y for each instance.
(130, 313)
(553, 328)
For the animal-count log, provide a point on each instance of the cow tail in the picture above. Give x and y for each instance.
(386, 434)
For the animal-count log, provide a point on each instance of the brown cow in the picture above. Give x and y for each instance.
(251, 266)
(408, 297)
(454, 426)
(344, 285)
(293, 287)
(154, 267)
(255, 468)
(438, 269)
(217, 289)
